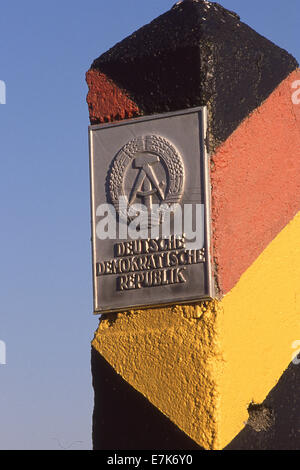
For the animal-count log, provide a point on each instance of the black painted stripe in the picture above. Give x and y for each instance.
(124, 419)
(282, 431)
(195, 54)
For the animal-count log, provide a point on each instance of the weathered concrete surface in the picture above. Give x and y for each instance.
(198, 53)
(255, 180)
(124, 420)
(284, 433)
(203, 365)
(140, 425)
(106, 99)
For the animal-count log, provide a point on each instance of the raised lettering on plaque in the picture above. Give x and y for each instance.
(150, 211)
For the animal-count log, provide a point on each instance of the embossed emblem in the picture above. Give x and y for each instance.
(147, 170)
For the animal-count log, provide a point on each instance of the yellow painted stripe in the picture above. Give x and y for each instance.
(165, 353)
(260, 321)
(203, 365)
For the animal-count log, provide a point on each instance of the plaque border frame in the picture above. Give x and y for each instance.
(203, 134)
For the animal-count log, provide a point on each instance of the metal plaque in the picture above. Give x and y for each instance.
(150, 207)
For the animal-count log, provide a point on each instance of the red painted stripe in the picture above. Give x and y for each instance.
(255, 183)
(107, 102)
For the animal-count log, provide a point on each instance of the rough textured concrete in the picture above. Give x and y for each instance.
(124, 420)
(117, 403)
(284, 432)
(255, 180)
(198, 53)
(106, 99)
(166, 355)
(203, 365)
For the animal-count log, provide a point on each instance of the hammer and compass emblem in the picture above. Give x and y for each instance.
(146, 169)
(147, 184)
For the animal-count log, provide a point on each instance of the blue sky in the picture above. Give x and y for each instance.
(46, 320)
